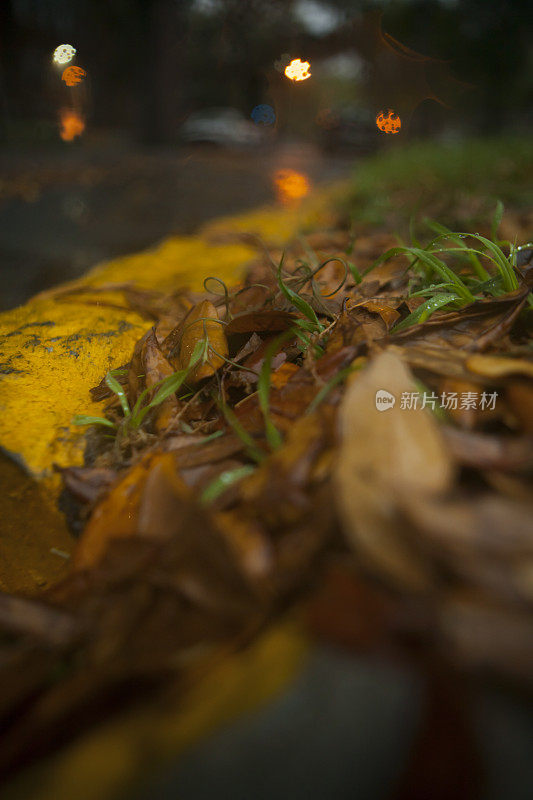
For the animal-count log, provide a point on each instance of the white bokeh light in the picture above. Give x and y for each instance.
(64, 53)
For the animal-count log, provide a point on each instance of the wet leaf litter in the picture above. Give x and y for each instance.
(243, 454)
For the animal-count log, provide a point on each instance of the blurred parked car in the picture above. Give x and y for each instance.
(350, 129)
(225, 127)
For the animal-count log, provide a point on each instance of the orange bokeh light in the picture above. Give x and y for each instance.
(291, 186)
(72, 124)
(298, 70)
(73, 75)
(389, 121)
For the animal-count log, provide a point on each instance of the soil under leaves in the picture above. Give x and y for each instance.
(271, 476)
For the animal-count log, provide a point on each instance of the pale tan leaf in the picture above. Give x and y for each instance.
(384, 454)
(498, 366)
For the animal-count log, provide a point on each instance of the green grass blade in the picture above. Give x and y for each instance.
(443, 270)
(199, 353)
(344, 264)
(206, 439)
(306, 325)
(225, 293)
(297, 301)
(431, 264)
(509, 278)
(388, 254)
(432, 290)
(223, 481)
(497, 262)
(118, 389)
(446, 233)
(356, 275)
(273, 436)
(85, 419)
(494, 254)
(167, 386)
(251, 447)
(326, 389)
(424, 311)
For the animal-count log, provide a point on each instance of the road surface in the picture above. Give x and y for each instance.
(63, 211)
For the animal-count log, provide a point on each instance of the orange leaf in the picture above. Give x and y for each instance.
(134, 507)
(198, 325)
(156, 369)
(114, 517)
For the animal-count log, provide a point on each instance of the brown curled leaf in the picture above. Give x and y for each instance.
(156, 369)
(202, 323)
(267, 321)
(115, 517)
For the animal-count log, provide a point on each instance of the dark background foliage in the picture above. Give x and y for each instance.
(150, 62)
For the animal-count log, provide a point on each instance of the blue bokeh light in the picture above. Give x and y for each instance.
(263, 114)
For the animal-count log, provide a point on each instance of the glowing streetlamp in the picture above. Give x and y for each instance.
(298, 70)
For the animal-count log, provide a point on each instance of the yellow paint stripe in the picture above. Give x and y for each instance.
(54, 348)
(105, 762)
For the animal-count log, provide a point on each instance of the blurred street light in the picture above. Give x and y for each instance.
(72, 124)
(291, 186)
(389, 121)
(64, 53)
(298, 70)
(73, 75)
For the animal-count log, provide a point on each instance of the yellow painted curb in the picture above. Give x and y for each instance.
(54, 348)
(105, 762)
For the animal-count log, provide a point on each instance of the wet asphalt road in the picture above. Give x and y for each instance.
(63, 211)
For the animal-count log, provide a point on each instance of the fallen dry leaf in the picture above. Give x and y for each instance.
(499, 366)
(477, 633)
(199, 324)
(519, 396)
(156, 368)
(484, 540)
(115, 517)
(464, 417)
(383, 455)
(479, 450)
(166, 570)
(259, 322)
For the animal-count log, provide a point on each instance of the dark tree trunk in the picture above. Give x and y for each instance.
(7, 61)
(164, 29)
